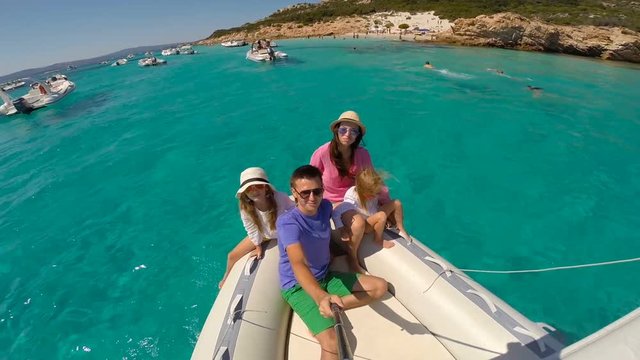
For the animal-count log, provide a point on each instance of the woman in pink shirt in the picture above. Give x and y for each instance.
(340, 160)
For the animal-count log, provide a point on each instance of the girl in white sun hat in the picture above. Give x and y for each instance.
(260, 204)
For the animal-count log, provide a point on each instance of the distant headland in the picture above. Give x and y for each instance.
(564, 28)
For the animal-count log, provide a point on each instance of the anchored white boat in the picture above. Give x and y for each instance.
(13, 85)
(60, 84)
(151, 61)
(234, 43)
(40, 94)
(186, 50)
(432, 311)
(120, 62)
(171, 51)
(262, 51)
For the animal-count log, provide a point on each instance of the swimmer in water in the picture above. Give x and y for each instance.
(535, 89)
(497, 71)
(427, 65)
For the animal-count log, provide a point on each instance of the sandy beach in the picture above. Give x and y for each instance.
(384, 25)
(425, 21)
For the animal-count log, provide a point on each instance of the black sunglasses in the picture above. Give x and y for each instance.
(306, 193)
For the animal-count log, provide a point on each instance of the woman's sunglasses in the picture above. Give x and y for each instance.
(306, 193)
(256, 187)
(343, 130)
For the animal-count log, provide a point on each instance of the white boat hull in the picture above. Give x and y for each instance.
(120, 62)
(14, 86)
(168, 52)
(235, 43)
(432, 308)
(263, 55)
(151, 62)
(37, 97)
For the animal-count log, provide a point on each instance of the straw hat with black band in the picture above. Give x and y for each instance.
(253, 176)
(351, 117)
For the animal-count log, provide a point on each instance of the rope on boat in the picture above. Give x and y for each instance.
(552, 268)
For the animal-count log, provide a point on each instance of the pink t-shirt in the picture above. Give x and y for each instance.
(335, 186)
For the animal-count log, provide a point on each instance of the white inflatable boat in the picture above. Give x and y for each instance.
(432, 311)
(41, 94)
(151, 61)
(261, 50)
(265, 55)
(234, 43)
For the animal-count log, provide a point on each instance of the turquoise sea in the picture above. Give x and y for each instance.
(117, 204)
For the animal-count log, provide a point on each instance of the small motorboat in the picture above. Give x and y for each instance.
(170, 51)
(60, 84)
(234, 43)
(261, 50)
(14, 85)
(120, 62)
(186, 50)
(40, 94)
(151, 61)
(148, 54)
(432, 310)
(130, 56)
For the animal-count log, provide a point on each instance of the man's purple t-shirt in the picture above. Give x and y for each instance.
(313, 233)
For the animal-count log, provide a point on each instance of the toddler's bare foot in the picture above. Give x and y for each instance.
(387, 244)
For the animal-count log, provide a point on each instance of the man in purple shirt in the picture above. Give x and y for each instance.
(306, 283)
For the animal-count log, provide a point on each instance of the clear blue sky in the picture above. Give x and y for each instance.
(43, 32)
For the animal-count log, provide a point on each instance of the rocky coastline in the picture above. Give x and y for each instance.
(512, 31)
(503, 30)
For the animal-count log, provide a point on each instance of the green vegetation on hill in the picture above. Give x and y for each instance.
(562, 12)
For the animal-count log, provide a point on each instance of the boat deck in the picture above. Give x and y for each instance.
(381, 330)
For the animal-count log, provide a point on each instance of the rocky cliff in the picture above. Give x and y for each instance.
(504, 30)
(508, 30)
(344, 25)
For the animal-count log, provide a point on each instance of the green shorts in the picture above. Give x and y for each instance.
(335, 283)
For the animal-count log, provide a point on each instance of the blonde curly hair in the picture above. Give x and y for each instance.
(369, 183)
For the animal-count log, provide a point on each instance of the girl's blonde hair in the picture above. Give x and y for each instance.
(368, 183)
(247, 206)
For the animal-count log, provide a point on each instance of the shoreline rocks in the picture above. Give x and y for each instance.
(503, 30)
(513, 31)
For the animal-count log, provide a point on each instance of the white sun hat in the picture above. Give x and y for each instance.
(253, 176)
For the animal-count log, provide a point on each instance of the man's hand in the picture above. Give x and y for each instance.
(324, 305)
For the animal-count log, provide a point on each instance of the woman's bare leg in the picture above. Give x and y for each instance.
(244, 247)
